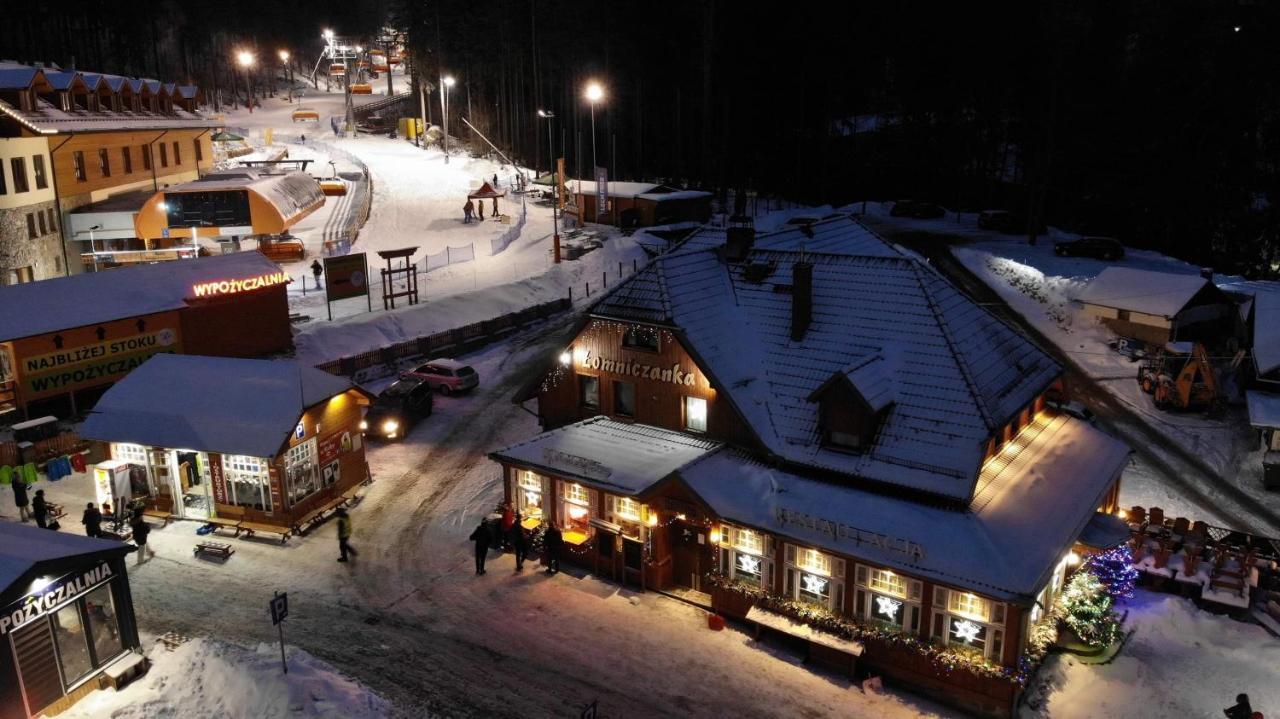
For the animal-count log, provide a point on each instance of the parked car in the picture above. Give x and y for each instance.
(1101, 248)
(1074, 409)
(917, 209)
(1010, 223)
(398, 408)
(446, 375)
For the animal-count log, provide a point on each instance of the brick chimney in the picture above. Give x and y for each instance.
(801, 299)
(739, 238)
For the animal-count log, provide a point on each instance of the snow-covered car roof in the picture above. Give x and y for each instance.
(1162, 294)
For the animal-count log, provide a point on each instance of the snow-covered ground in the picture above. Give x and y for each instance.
(417, 202)
(211, 679)
(1180, 662)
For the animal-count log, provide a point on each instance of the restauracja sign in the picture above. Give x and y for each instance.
(673, 374)
(839, 530)
(55, 595)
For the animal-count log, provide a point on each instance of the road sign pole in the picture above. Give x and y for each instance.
(279, 611)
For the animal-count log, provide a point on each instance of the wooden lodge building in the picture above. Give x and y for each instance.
(816, 419)
(70, 141)
(266, 445)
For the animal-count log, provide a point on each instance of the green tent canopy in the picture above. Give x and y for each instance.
(226, 137)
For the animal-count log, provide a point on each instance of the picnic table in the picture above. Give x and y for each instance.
(218, 549)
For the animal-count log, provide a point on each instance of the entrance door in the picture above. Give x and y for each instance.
(688, 547)
(633, 561)
(605, 561)
(192, 481)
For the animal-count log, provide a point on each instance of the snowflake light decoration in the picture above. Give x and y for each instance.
(814, 584)
(748, 564)
(888, 607)
(966, 631)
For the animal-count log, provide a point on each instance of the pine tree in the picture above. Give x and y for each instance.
(1114, 568)
(1086, 609)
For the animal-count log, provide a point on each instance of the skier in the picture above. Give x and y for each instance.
(481, 537)
(140, 531)
(519, 544)
(40, 510)
(552, 541)
(316, 270)
(1241, 710)
(92, 521)
(20, 497)
(467, 210)
(495, 180)
(344, 534)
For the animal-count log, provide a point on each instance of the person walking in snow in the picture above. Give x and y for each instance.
(552, 542)
(480, 210)
(316, 270)
(92, 521)
(519, 544)
(40, 510)
(467, 210)
(495, 180)
(140, 532)
(20, 497)
(480, 535)
(344, 534)
(1241, 710)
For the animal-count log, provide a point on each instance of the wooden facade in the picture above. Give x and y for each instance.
(600, 353)
(96, 162)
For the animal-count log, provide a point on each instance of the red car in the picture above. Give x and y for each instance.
(446, 375)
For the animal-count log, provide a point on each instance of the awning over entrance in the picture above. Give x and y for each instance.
(620, 457)
(1104, 531)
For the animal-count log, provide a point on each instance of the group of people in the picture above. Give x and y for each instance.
(469, 211)
(511, 536)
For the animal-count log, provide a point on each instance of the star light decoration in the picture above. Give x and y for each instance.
(748, 564)
(888, 607)
(532, 498)
(814, 584)
(966, 631)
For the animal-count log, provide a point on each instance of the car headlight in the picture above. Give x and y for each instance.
(390, 426)
(364, 424)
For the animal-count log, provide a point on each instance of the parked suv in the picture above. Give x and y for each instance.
(446, 375)
(1101, 248)
(398, 408)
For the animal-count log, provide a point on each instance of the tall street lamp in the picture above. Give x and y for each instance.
(446, 82)
(555, 186)
(284, 60)
(595, 94)
(246, 60)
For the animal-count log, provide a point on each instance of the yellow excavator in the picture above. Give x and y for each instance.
(1181, 378)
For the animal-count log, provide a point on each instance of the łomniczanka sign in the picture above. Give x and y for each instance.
(840, 530)
(673, 374)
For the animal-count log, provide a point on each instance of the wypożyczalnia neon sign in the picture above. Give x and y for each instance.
(231, 287)
(673, 374)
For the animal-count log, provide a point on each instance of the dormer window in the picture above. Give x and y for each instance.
(853, 403)
(641, 338)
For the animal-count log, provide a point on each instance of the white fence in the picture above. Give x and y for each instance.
(500, 243)
(343, 228)
(447, 256)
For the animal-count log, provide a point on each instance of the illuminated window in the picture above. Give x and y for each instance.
(815, 577)
(744, 556)
(969, 622)
(815, 561)
(529, 494)
(627, 508)
(589, 391)
(577, 494)
(695, 414)
(248, 481)
(748, 541)
(888, 599)
(968, 604)
(575, 508)
(301, 472)
(885, 581)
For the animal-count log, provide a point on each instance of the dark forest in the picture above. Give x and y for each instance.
(1155, 122)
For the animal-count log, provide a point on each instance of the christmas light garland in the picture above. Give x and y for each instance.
(944, 658)
(1114, 568)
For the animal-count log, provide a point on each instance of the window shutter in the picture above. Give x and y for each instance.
(914, 590)
(791, 554)
(997, 612)
(997, 645)
(940, 597)
(837, 567)
(914, 625)
(608, 506)
(791, 582)
(860, 575)
(837, 598)
(939, 626)
(860, 602)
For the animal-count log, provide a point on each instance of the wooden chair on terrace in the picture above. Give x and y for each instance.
(1199, 531)
(1155, 517)
(1162, 556)
(1181, 527)
(1137, 516)
(1190, 563)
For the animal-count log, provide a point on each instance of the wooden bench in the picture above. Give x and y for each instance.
(1221, 582)
(163, 516)
(216, 523)
(310, 520)
(252, 528)
(219, 549)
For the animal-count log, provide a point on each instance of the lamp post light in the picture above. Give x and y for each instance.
(93, 251)
(595, 93)
(288, 75)
(555, 187)
(446, 82)
(247, 60)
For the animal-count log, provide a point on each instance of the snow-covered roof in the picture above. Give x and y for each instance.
(621, 457)
(958, 372)
(1264, 409)
(292, 194)
(48, 119)
(842, 235)
(23, 546)
(211, 404)
(17, 78)
(873, 377)
(1003, 545)
(36, 308)
(674, 195)
(1266, 321)
(615, 189)
(1162, 294)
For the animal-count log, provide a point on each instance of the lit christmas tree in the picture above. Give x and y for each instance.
(1114, 568)
(1086, 609)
